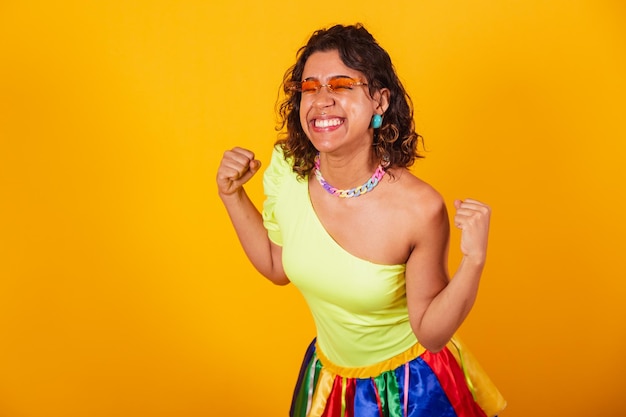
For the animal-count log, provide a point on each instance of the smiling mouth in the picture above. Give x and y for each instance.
(324, 123)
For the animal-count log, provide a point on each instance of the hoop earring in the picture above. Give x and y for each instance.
(377, 121)
(385, 160)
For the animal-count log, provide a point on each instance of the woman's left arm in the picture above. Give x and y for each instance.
(438, 306)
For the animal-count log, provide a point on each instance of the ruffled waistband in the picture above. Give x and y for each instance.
(371, 370)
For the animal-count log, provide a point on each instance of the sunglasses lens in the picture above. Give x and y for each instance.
(309, 86)
(341, 84)
(337, 85)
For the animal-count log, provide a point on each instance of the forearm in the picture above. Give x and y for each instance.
(450, 307)
(248, 224)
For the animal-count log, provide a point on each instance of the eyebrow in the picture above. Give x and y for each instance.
(330, 78)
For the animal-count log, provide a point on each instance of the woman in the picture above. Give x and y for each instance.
(364, 240)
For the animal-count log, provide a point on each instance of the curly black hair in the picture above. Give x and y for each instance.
(396, 139)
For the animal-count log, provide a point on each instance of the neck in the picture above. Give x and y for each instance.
(348, 171)
(356, 191)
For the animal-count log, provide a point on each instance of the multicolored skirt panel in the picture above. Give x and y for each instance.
(416, 383)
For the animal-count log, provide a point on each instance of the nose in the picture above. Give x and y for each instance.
(324, 97)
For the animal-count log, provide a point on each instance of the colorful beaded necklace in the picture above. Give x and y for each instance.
(354, 192)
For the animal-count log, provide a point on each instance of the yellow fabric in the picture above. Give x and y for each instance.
(273, 177)
(322, 392)
(359, 307)
(372, 370)
(485, 392)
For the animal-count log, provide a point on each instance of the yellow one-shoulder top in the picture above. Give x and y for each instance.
(359, 307)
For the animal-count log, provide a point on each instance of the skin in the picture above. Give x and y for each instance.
(402, 220)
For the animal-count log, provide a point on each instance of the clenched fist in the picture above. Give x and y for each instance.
(236, 168)
(473, 218)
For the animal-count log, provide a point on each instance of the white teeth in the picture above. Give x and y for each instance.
(327, 122)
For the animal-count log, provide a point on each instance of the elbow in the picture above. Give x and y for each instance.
(433, 347)
(281, 281)
(278, 279)
(432, 343)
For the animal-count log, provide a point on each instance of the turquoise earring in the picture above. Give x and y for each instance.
(377, 121)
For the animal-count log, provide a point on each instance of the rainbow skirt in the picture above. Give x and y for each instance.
(416, 383)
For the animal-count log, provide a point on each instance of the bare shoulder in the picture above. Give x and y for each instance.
(408, 213)
(420, 199)
(413, 209)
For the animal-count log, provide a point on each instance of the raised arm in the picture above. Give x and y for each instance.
(437, 306)
(238, 165)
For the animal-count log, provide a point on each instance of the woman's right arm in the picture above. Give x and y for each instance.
(236, 168)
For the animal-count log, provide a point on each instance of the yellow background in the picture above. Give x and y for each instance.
(123, 291)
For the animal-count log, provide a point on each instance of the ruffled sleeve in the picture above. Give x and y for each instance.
(273, 179)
